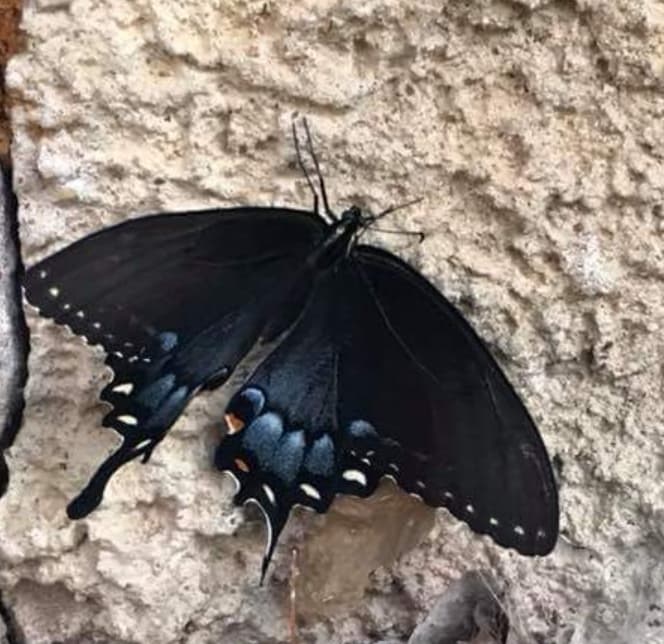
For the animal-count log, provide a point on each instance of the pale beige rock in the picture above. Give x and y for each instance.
(533, 130)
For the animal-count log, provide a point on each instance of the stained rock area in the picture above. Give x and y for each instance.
(533, 131)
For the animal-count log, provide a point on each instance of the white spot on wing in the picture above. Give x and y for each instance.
(355, 476)
(470, 509)
(42, 274)
(448, 495)
(310, 490)
(126, 419)
(420, 484)
(394, 467)
(268, 523)
(541, 533)
(80, 314)
(519, 530)
(124, 388)
(366, 461)
(96, 325)
(66, 306)
(269, 494)
(54, 291)
(493, 521)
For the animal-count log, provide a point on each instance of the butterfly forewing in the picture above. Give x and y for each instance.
(176, 301)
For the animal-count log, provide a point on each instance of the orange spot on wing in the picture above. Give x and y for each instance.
(233, 423)
(241, 465)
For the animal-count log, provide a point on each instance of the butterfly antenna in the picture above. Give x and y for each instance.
(411, 233)
(300, 161)
(321, 181)
(392, 209)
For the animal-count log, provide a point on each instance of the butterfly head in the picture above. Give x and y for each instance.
(353, 216)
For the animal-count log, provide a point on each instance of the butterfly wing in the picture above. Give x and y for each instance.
(175, 300)
(467, 440)
(382, 376)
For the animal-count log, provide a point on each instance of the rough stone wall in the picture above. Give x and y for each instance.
(534, 132)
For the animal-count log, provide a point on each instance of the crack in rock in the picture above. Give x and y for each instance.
(12, 633)
(14, 334)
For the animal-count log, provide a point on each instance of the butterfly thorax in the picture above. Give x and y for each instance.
(339, 240)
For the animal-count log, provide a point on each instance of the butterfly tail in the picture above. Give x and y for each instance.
(139, 440)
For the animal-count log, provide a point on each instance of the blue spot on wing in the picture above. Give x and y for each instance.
(171, 408)
(152, 395)
(361, 429)
(288, 457)
(320, 459)
(247, 404)
(262, 437)
(168, 340)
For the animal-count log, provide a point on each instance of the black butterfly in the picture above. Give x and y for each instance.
(372, 371)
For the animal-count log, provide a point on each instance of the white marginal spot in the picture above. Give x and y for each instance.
(129, 345)
(96, 325)
(394, 467)
(66, 307)
(493, 521)
(80, 314)
(470, 509)
(42, 274)
(420, 484)
(268, 523)
(54, 291)
(124, 388)
(234, 479)
(519, 530)
(118, 354)
(269, 494)
(144, 443)
(128, 420)
(448, 495)
(541, 533)
(132, 359)
(370, 453)
(356, 476)
(366, 461)
(147, 360)
(310, 490)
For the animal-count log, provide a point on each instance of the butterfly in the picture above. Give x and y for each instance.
(369, 372)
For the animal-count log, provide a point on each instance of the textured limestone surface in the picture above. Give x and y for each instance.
(534, 133)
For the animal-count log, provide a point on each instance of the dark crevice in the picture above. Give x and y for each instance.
(16, 363)
(14, 343)
(13, 634)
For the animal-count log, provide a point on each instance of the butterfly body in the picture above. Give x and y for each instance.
(371, 371)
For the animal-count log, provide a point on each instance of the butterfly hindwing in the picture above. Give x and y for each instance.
(283, 444)
(382, 376)
(485, 460)
(176, 301)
